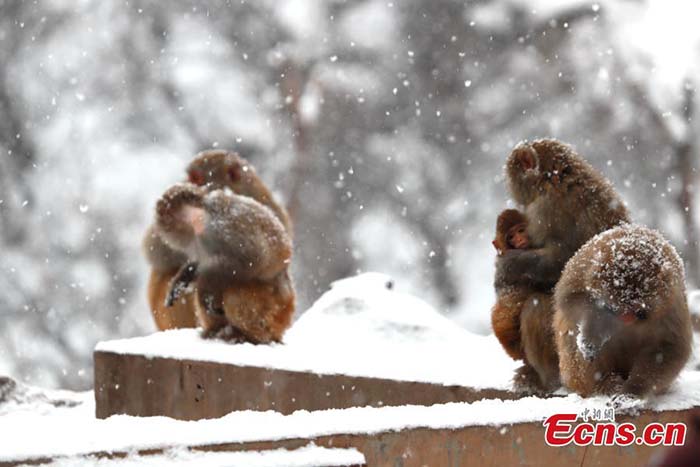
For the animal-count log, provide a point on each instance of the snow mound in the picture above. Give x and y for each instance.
(366, 307)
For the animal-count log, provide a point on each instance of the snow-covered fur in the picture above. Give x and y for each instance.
(566, 202)
(621, 322)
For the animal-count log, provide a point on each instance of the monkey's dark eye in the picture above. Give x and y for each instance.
(234, 173)
(196, 177)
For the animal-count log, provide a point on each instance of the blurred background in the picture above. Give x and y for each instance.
(382, 125)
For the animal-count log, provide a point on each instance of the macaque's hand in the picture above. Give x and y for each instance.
(531, 268)
(182, 280)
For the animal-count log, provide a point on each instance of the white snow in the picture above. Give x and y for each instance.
(307, 456)
(74, 431)
(358, 328)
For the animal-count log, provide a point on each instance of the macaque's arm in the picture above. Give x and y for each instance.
(539, 268)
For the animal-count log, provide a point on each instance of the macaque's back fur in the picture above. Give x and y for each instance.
(633, 271)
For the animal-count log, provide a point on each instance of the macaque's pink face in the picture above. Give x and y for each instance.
(517, 237)
(218, 170)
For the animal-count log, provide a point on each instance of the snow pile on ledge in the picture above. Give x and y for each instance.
(64, 431)
(360, 327)
(308, 456)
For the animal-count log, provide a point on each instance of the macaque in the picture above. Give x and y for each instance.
(511, 233)
(566, 202)
(621, 317)
(212, 169)
(238, 254)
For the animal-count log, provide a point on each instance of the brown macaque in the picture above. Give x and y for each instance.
(622, 324)
(566, 202)
(238, 254)
(511, 233)
(217, 169)
(212, 169)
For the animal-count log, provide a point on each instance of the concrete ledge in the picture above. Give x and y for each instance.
(180, 375)
(193, 390)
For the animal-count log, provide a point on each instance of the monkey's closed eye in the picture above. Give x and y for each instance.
(196, 177)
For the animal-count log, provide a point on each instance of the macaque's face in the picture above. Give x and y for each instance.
(517, 237)
(218, 169)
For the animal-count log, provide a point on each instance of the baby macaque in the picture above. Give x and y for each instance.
(238, 252)
(622, 324)
(511, 234)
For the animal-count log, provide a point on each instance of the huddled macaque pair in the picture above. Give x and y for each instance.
(220, 250)
(585, 298)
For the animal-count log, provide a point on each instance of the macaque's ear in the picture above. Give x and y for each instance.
(195, 176)
(497, 246)
(526, 157)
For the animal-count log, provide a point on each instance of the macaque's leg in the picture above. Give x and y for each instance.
(538, 340)
(505, 320)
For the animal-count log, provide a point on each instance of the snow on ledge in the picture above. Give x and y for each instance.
(74, 431)
(359, 328)
(307, 456)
